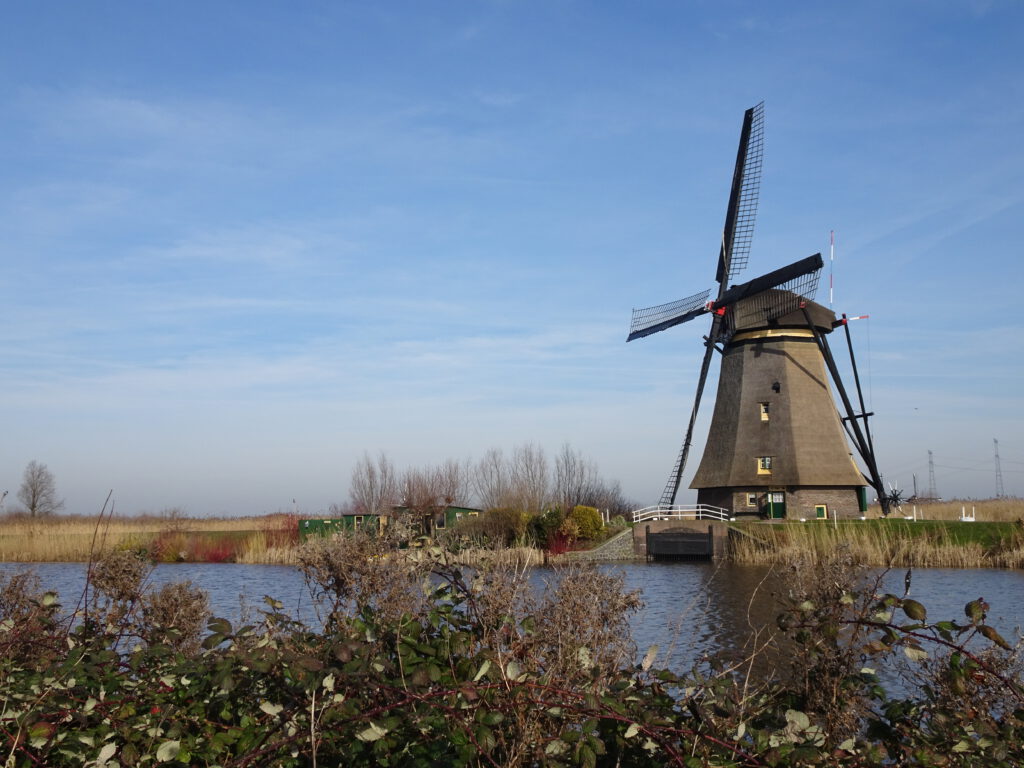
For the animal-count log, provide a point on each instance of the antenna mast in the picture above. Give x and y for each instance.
(1000, 492)
(932, 493)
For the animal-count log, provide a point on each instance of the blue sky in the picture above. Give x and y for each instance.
(243, 243)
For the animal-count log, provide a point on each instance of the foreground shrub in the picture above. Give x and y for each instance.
(479, 668)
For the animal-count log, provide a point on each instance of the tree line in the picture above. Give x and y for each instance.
(525, 480)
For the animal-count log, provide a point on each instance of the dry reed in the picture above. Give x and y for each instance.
(508, 557)
(872, 544)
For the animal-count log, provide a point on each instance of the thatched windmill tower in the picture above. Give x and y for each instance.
(776, 446)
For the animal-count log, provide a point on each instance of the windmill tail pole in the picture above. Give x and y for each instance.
(861, 443)
(856, 381)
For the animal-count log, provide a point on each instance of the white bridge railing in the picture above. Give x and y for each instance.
(681, 512)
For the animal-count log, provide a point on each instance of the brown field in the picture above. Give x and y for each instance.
(1005, 510)
(168, 538)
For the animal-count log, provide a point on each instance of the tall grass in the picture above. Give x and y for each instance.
(883, 543)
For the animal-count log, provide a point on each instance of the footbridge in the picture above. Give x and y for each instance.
(680, 532)
(681, 512)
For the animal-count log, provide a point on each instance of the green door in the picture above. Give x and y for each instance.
(776, 505)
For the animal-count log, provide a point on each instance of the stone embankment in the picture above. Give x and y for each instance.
(618, 547)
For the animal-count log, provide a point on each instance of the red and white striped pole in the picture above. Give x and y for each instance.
(831, 259)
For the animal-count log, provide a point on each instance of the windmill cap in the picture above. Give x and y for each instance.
(778, 308)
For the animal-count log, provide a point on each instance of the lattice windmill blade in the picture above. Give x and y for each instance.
(741, 212)
(657, 318)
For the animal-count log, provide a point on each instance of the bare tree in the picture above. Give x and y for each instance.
(423, 496)
(491, 481)
(576, 478)
(374, 487)
(453, 480)
(531, 481)
(609, 498)
(38, 491)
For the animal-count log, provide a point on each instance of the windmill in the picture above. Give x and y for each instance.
(775, 429)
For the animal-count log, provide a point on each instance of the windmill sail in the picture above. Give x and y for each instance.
(658, 318)
(742, 209)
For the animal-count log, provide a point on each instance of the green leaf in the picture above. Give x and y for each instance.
(556, 747)
(373, 733)
(493, 718)
(995, 637)
(219, 626)
(485, 738)
(168, 751)
(482, 671)
(632, 731)
(915, 653)
(271, 709)
(583, 657)
(39, 733)
(107, 752)
(798, 719)
(914, 610)
(649, 658)
(975, 610)
(513, 670)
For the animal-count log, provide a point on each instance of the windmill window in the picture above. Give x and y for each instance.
(764, 465)
(751, 499)
(776, 387)
(765, 408)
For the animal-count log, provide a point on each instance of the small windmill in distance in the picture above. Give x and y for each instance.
(776, 441)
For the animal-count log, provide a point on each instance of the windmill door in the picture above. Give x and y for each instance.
(776, 505)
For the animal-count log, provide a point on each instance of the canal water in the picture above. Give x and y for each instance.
(690, 609)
